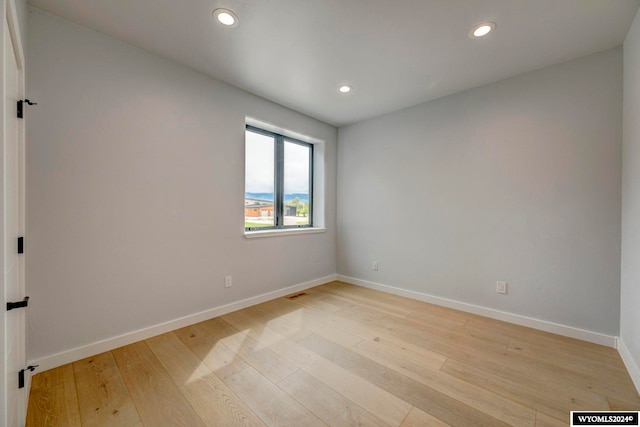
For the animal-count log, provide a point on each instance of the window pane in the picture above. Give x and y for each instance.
(259, 180)
(296, 183)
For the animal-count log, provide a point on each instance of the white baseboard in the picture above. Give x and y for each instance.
(78, 353)
(542, 325)
(630, 363)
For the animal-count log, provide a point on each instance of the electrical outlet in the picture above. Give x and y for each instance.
(501, 287)
(375, 266)
(227, 282)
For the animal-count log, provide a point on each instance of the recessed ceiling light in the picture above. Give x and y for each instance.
(226, 17)
(482, 30)
(345, 89)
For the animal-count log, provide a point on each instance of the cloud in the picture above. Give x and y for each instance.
(259, 165)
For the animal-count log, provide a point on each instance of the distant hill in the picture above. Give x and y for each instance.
(269, 196)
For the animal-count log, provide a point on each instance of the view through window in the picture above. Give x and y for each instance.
(278, 181)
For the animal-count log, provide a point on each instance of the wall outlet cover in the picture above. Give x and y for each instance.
(501, 287)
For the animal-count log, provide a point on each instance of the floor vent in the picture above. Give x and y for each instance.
(294, 296)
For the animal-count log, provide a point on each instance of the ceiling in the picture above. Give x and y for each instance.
(395, 54)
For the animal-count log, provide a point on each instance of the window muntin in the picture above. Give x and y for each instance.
(278, 181)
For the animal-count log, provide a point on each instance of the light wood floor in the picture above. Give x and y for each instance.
(340, 355)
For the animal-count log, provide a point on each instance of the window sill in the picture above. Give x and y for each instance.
(283, 232)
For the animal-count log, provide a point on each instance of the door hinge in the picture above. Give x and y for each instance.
(19, 304)
(30, 368)
(20, 245)
(20, 106)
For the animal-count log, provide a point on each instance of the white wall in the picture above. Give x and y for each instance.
(135, 191)
(516, 181)
(21, 11)
(630, 292)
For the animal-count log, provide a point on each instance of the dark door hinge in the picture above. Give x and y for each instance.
(20, 245)
(30, 368)
(20, 106)
(19, 304)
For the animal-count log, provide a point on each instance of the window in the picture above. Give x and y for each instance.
(278, 181)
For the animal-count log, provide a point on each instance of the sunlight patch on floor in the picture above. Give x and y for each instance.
(230, 348)
(290, 322)
(219, 357)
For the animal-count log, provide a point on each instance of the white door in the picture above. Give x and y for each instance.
(13, 185)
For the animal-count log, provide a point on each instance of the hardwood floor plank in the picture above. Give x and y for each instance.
(191, 333)
(395, 305)
(328, 405)
(553, 400)
(157, 397)
(545, 339)
(430, 313)
(369, 397)
(410, 391)
(368, 298)
(341, 355)
(263, 360)
(102, 395)
(535, 371)
(379, 351)
(502, 362)
(273, 405)
(379, 402)
(416, 350)
(280, 344)
(552, 348)
(361, 313)
(543, 420)
(292, 328)
(476, 397)
(410, 351)
(433, 319)
(208, 395)
(415, 338)
(423, 320)
(311, 320)
(418, 418)
(621, 405)
(316, 302)
(332, 299)
(579, 362)
(448, 341)
(219, 328)
(213, 353)
(53, 400)
(136, 353)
